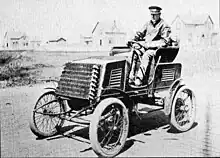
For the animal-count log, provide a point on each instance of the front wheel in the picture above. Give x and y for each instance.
(109, 127)
(183, 109)
(44, 122)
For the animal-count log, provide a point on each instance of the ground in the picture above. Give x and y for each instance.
(149, 137)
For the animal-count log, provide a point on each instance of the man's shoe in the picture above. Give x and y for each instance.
(138, 82)
(131, 81)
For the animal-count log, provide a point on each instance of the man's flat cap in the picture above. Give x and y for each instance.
(155, 9)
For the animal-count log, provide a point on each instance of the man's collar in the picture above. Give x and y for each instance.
(155, 23)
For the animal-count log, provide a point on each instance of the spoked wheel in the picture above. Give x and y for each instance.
(183, 110)
(44, 121)
(109, 127)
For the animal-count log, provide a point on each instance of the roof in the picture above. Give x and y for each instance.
(107, 26)
(195, 19)
(58, 40)
(15, 34)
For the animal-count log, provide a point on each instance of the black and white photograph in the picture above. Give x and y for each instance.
(110, 78)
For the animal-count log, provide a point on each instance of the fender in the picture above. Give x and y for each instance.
(125, 97)
(50, 88)
(172, 91)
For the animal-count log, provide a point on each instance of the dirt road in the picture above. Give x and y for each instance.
(149, 137)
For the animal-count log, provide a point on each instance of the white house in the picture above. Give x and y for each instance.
(104, 35)
(15, 40)
(192, 29)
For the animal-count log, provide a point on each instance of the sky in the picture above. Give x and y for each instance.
(48, 19)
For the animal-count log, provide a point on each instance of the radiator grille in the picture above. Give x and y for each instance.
(115, 78)
(168, 74)
(75, 80)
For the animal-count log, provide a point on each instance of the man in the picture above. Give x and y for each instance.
(154, 34)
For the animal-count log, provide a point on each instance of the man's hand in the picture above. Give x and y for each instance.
(129, 44)
(136, 46)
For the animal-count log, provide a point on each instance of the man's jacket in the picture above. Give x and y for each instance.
(154, 35)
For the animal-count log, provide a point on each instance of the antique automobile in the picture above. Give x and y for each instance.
(98, 87)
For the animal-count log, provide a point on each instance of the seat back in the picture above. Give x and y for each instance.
(167, 54)
(119, 50)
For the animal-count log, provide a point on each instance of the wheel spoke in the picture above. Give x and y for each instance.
(119, 120)
(180, 116)
(181, 95)
(115, 118)
(37, 115)
(109, 132)
(45, 100)
(186, 97)
(56, 119)
(47, 123)
(109, 138)
(39, 103)
(101, 128)
(42, 124)
(189, 103)
(39, 118)
(182, 119)
(187, 116)
(116, 132)
(52, 125)
(106, 115)
(54, 105)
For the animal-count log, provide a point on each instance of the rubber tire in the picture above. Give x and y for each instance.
(94, 124)
(174, 125)
(32, 123)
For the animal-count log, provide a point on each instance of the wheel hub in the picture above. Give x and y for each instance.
(186, 108)
(45, 111)
(110, 119)
(115, 128)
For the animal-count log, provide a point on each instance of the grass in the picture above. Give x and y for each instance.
(18, 69)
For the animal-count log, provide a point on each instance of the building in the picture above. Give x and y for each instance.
(192, 29)
(15, 40)
(104, 35)
(56, 44)
(58, 41)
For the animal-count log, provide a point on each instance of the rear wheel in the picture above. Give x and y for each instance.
(43, 122)
(109, 127)
(183, 110)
